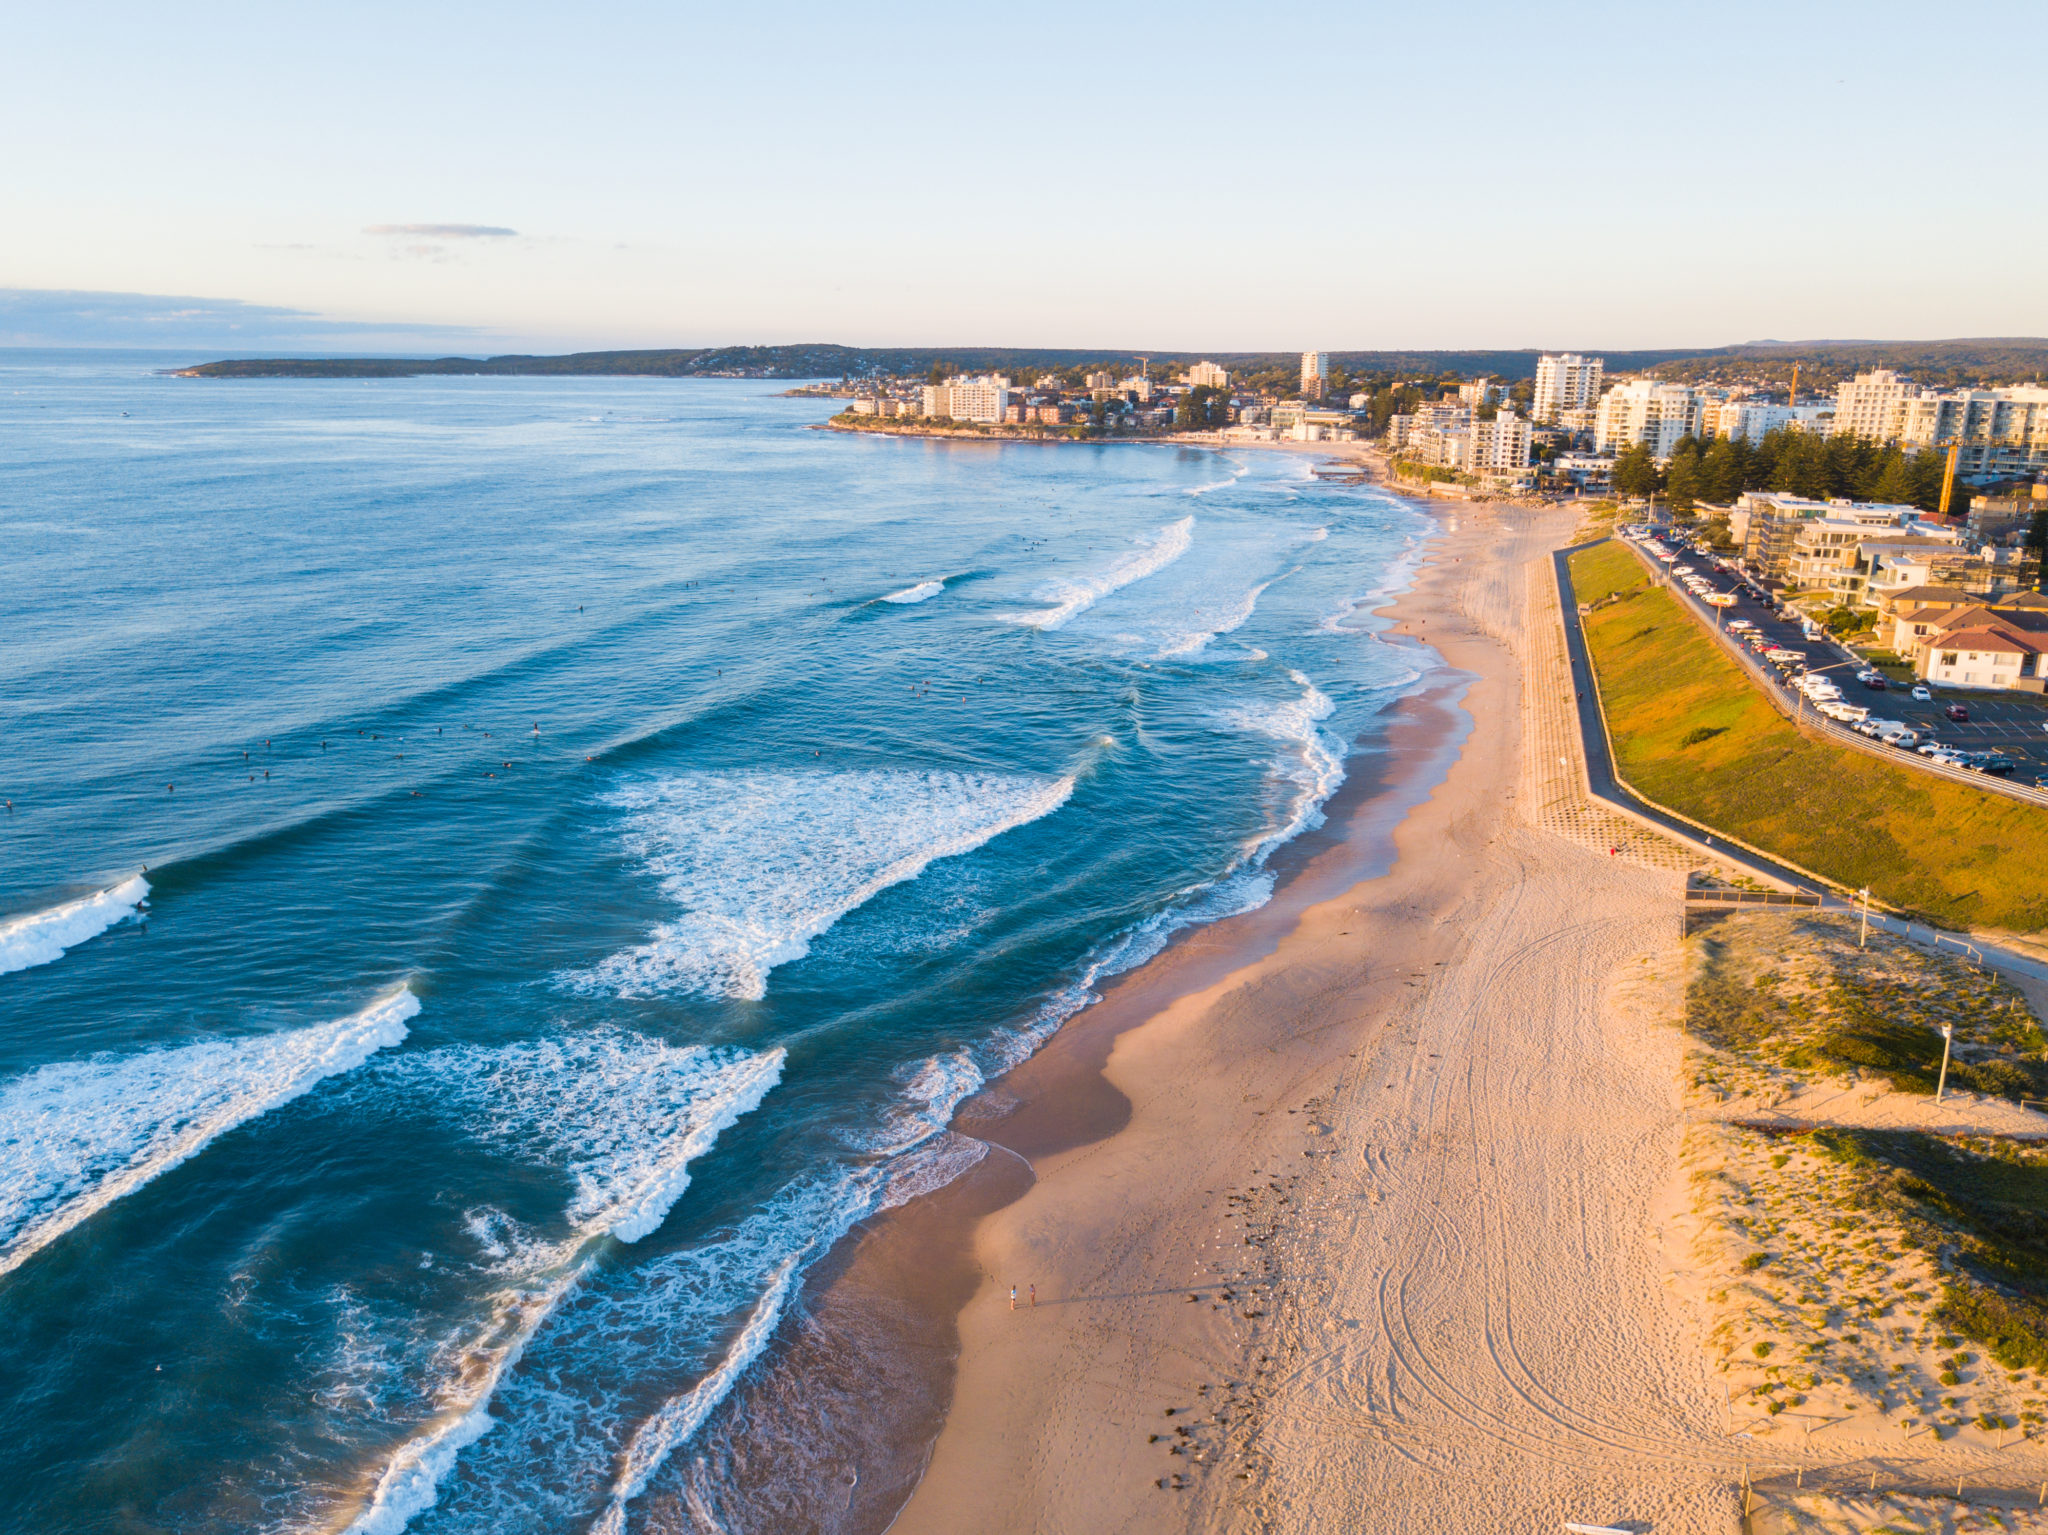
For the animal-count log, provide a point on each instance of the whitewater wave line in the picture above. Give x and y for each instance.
(1078, 594)
(76, 1136)
(41, 937)
(1196, 641)
(410, 1484)
(763, 863)
(922, 592)
(681, 1416)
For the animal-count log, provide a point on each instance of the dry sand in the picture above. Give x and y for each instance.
(1367, 1212)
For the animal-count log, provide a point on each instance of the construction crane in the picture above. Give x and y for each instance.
(1948, 475)
(1793, 397)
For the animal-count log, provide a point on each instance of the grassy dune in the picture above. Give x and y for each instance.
(1692, 732)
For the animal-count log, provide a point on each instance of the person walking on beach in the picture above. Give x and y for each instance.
(1034, 1297)
(1013, 1297)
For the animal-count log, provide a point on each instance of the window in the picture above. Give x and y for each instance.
(1949, 659)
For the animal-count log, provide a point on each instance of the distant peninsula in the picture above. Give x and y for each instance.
(1987, 360)
(830, 361)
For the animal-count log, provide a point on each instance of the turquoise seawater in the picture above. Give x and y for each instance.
(595, 832)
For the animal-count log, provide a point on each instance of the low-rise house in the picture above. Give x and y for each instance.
(1975, 645)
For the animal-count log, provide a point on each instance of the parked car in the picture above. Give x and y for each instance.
(1920, 693)
(1992, 763)
(1957, 713)
(1875, 682)
(1902, 740)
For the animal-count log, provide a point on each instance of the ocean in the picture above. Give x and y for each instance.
(503, 874)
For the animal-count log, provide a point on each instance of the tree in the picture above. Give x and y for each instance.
(1635, 472)
(1683, 477)
(1894, 482)
(1203, 406)
(1721, 470)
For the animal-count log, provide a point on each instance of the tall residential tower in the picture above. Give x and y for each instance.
(1565, 381)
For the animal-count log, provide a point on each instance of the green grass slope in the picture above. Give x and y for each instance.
(1693, 733)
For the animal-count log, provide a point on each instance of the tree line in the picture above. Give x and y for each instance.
(1797, 463)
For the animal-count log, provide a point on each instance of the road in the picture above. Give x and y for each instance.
(2011, 725)
(1601, 785)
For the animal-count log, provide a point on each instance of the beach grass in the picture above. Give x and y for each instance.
(1692, 732)
(1980, 1202)
(1795, 994)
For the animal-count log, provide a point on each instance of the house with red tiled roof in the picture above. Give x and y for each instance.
(1978, 646)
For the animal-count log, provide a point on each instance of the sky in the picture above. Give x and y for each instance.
(444, 177)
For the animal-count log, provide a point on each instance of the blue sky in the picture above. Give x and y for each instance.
(1231, 177)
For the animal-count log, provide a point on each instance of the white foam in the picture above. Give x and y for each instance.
(1211, 901)
(625, 1116)
(681, 1416)
(78, 1135)
(932, 1089)
(1238, 471)
(923, 591)
(1226, 621)
(761, 863)
(43, 936)
(1315, 765)
(1399, 573)
(411, 1483)
(1072, 595)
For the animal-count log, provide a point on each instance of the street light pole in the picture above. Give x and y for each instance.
(1948, 1035)
(1863, 939)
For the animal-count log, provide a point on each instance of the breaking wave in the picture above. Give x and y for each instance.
(918, 593)
(761, 863)
(78, 1135)
(624, 1116)
(1072, 595)
(43, 936)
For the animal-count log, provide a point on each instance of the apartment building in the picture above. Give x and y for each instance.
(1749, 421)
(1767, 524)
(1496, 446)
(1208, 375)
(1842, 555)
(969, 399)
(1441, 416)
(1992, 518)
(1566, 383)
(1869, 404)
(2002, 432)
(1642, 410)
(1315, 374)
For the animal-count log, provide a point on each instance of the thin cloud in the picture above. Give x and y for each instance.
(443, 231)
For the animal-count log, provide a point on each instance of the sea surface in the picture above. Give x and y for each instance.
(503, 874)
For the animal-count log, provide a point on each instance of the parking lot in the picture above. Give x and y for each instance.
(2010, 724)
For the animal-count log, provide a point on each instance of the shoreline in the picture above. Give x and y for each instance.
(1065, 1107)
(909, 1272)
(1221, 1146)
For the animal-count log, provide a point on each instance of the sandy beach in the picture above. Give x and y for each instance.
(1372, 1207)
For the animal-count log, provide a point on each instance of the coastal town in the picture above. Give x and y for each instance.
(1936, 569)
